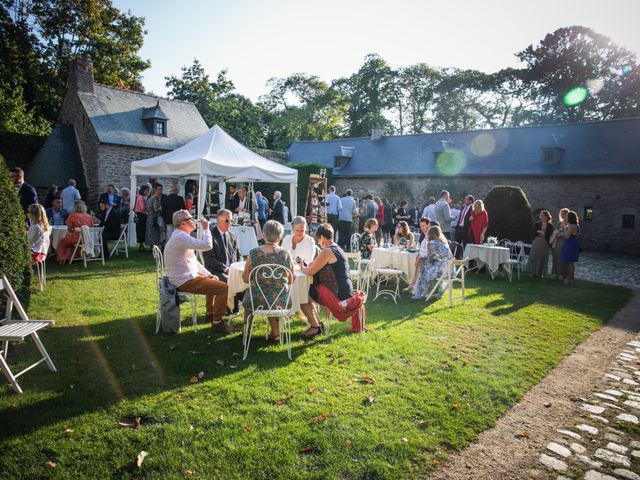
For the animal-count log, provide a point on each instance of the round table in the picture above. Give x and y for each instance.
(489, 256)
(247, 239)
(396, 258)
(58, 232)
(299, 289)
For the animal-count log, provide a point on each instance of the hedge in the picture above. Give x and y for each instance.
(509, 213)
(15, 258)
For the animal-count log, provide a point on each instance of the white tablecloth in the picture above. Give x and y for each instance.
(299, 289)
(247, 239)
(394, 258)
(491, 257)
(58, 232)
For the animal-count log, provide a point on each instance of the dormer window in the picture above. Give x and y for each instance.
(155, 120)
(553, 149)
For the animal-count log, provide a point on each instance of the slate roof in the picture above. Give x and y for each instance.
(57, 161)
(116, 116)
(597, 148)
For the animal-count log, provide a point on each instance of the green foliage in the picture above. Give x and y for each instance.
(509, 213)
(15, 258)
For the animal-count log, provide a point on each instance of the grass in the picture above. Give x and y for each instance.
(438, 377)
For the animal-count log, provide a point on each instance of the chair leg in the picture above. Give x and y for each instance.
(194, 306)
(9, 374)
(462, 285)
(247, 341)
(158, 315)
(43, 351)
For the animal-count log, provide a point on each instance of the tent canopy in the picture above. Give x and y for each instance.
(218, 156)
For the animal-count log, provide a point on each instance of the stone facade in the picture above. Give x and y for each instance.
(609, 197)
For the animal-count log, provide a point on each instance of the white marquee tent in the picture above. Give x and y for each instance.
(216, 156)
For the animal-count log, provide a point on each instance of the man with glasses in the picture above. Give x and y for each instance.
(224, 251)
(189, 275)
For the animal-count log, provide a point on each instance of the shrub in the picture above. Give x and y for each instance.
(15, 258)
(509, 213)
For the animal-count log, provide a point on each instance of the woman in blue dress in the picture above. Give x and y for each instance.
(570, 247)
(438, 258)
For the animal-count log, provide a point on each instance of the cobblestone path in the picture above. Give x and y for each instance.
(609, 268)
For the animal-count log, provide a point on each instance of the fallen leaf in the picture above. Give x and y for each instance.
(245, 428)
(434, 462)
(312, 389)
(347, 443)
(233, 366)
(209, 395)
(194, 352)
(445, 366)
(220, 362)
(200, 374)
(307, 448)
(404, 440)
(137, 422)
(370, 400)
(188, 473)
(50, 465)
(367, 379)
(547, 405)
(193, 380)
(235, 354)
(125, 425)
(284, 400)
(140, 459)
(71, 386)
(522, 435)
(68, 432)
(321, 418)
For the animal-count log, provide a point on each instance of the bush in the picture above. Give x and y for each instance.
(15, 258)
(509, 213)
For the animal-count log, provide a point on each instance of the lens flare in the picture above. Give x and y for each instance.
(626, 70)
(575, 96)
(450, 163)
(595, 85)
(483, 145)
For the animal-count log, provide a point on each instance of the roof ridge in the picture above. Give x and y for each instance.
(142, 93)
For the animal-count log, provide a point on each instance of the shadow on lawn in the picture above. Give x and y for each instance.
(103, 363)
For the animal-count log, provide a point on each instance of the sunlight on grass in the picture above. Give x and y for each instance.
(427, 380)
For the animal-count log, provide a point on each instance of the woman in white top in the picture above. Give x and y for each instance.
(38, 233)
(300, 244)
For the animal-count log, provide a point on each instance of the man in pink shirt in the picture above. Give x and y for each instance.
(188, 275)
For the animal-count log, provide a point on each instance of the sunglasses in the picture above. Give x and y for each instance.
(226, 220)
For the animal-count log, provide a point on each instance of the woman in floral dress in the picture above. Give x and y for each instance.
(438, 258)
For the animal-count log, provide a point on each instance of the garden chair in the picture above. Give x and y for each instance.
(385, 275)
(516, 260)
(159, 258)
(453, 272)
(17, 331)
(355, 242)
(123, 242)
(89, 245)
(274, 272)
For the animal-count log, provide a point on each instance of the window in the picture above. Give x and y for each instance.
(588, 214)
(552, 155)
(160, 128)
(341, 161)
(628, 221)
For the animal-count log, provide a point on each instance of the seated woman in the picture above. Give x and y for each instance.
(299, 244)
(368, 238)
(438, 257)
(332, 285)
(38, 233)
(271, 290)
(76, 219)
(403, 236)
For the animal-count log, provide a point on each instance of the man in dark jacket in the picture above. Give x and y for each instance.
(110, 196)
(277, 212)
(26, 192)
(110, 220)
(170, 204)
(224, 251)
(462, 223)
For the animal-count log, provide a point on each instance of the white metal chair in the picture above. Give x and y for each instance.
(385, 275)
(453, 272)
(90, 239)
(41, 270)
(122, 245)
(17, 331)
(355, 273)
(355, 242)
(159, 258)
(269, 307)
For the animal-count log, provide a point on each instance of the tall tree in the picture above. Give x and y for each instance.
(577, 57)
(418, 85)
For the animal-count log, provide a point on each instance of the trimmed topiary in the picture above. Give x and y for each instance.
(509, 213)
(15, 258)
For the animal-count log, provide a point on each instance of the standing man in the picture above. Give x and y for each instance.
(349, 208)
(334, 204)
(171, 204)
(262, 209)
(109, 195)
(188, 275)
(224, 250)
(430, 210)
(414, 214)
(232, 199)
(462, 224)
(443, 213)
(69, 195)
(372, 207)
(277, 212)
(26, 192)
(243, 202)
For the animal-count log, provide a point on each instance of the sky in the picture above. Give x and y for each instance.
(256, 40)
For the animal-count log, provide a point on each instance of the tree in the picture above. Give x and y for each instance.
(456, 104)
(577, 57)
(218, 104)
(418, 85)
(509, 213)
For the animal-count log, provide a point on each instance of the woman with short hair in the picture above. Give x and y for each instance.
(299, 244)
(539, 255)
(76, 219)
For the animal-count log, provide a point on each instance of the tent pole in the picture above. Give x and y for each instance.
(133, 196)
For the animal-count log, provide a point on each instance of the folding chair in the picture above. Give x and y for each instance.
(95, 234)
(456, 248)
(122, 245)
(267, 308)
(456, 274)
(159, 258)
(355, 242)
(447, 275)
(17, 331)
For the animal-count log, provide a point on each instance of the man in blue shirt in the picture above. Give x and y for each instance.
(345, 217)
(262, 209)
(334, 205)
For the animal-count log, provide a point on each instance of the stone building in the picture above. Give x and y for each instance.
(100, 130)
(592, 168)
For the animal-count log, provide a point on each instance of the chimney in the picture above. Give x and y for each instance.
(377, 133)
(81, 75)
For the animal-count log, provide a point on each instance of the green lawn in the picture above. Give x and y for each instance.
(438, 377)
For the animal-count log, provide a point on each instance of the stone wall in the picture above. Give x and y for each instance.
(610, 197)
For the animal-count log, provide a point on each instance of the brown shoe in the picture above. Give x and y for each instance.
(221, 326)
